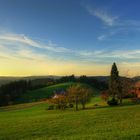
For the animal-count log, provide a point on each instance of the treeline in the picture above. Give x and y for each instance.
(92, 81)
(13, 90)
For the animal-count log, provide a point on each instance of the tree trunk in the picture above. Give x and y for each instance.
(76, 105)
(120, 100)
(83, 106)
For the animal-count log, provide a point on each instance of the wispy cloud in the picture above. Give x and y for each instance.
(111, 20)
(19, 48)
(105, 55)
(101, 37)
(17, 45)
(103, 16)
(28, 41)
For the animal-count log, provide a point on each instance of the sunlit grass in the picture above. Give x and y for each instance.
(35, 122)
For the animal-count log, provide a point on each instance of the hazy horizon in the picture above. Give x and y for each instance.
(64, 37)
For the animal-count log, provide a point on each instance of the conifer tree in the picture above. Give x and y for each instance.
(114, 82)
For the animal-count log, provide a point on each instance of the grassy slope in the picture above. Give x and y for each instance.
(42, 93)
(32, 121)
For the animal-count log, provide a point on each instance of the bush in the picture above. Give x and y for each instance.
(131, 95)
(50, 107)
(61, 106)
(57, 107)
(112, 102)
(136, 100)
(70, 105)
(105, 95)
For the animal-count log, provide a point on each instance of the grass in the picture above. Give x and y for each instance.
(33, 122)
(43, 93)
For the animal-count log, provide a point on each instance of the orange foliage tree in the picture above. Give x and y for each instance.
(60, 101)
(79, 94)
(105, 95)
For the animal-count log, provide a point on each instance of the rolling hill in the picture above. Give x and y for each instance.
(32, 121)
(43, 93)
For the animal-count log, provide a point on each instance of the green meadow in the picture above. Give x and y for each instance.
(43, 93)
(32, 121)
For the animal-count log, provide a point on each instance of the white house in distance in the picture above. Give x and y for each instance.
(58, 92)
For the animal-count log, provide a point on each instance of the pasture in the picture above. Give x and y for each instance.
(32, 121)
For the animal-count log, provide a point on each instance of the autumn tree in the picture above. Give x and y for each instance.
(60, 101)
(85, 94)
(79, 94)
(125, 86)
(105, 95)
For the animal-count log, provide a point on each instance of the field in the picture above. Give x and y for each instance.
(43, 93)
(32, 121)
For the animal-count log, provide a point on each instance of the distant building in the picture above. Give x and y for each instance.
(58, 92)
(55, 96)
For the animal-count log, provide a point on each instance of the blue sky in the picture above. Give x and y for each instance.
(69, 36)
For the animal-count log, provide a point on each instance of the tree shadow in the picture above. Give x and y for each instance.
(107, 106)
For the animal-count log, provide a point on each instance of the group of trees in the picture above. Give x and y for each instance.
(114, 92)
(119, 87)
(92, 81)
(79, 94)
(13, 90)
(74, 96)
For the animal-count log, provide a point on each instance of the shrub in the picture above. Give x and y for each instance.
(105, 95)
(50, 107)
(61, 106)
(130, 95)
(57, 107)
(136, 100)
(70, 105)
(113, 102)
(95, 105)
(60, 102)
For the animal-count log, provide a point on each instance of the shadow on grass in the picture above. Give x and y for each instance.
(107, 106)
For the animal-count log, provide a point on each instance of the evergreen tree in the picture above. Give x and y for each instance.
(114, 82)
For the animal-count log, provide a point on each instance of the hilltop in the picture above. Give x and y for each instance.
(8, 79)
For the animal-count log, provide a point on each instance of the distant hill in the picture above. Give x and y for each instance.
(42, 93)
(46, 92)
(7, 79)
(101, 78)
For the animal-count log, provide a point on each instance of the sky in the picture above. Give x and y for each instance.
(63, 37)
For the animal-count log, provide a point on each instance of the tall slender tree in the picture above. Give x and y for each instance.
(114, 81)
